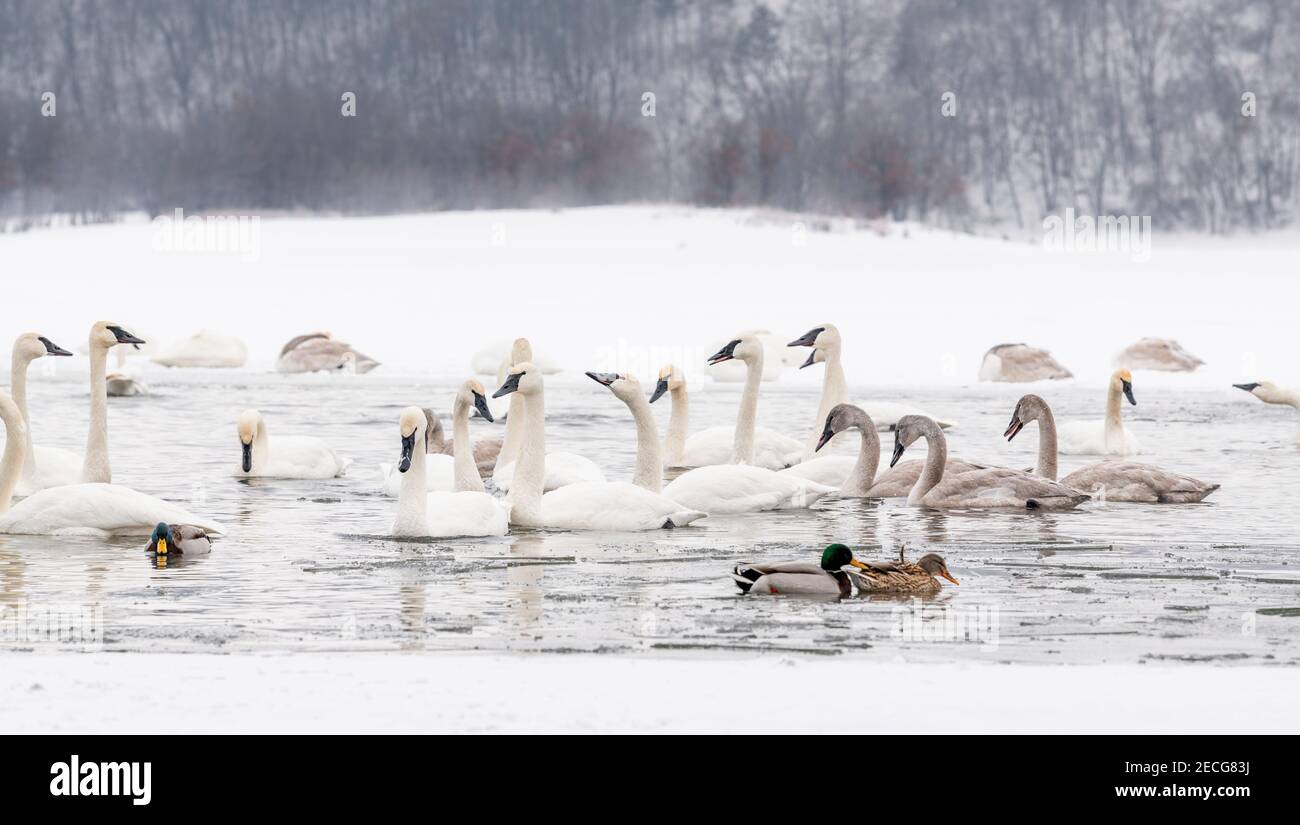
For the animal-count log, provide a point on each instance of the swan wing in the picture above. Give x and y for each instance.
(887, 413)
(737, 488)
(562, 469)
(1118, 480)
(467, 514)
(303, 457)
(97, 509)
(55, 467)
(1089, 438)
(830, 470)
(898, 481)
(617, 505)
(1002, 488)
(716, 445)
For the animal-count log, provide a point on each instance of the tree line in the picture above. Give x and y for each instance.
(972, 114)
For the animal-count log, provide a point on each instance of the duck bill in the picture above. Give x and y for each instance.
(1128, 393)
(480, 404)
(161, 549)
(408, 450)
(725, 354)
(605, 379)
(248, 456)
(807, 339)
(511, 385)
(660, 389)
(859, 565)
(898, 453)
(948, 576)
(1014, 428)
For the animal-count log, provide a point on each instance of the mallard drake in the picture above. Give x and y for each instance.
(800, 577)
(178, 539)
(902, 576)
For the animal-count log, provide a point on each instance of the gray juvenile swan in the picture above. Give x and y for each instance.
(989, 488)
(1113, 480)
(861, 481)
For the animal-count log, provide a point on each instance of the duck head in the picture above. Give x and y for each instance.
(836, 556)
(934, 564)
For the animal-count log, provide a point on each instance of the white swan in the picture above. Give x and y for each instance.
(204, 349)
(827, 348)
(44, 466)
(104, 335)
(92, 509)
(1107, 437)
(465, 511)
(589, 505)
(288, 457)
(1020, 363)
(1271, 393)
(1163, 354)
(741, 487)
(991, 488)
(1110, 480)
(562, 468)
(715, 445)
(440, 465)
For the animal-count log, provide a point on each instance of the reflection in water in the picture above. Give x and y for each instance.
(306, 564)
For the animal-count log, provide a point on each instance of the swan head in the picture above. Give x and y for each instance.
(29, 346)
(250, 421)
(1266, 391)
(521, 351)
(624, 386)
(473, 394)
(836, 556)
(1123, 380)
(820, 338)
(106, 334)
(1028, 408)
(159, 540)
(907, 431)
(843, 417)
(746, 348)
(524, 379)
(934, 564)
(670, 380)
(410, 425)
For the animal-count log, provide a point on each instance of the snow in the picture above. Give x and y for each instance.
(631, 288)
(378, 692)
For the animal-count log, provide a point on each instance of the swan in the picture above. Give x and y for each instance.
(715, 445)
(290, 457)
(484, 450)
(861, 481)
(773, 360)
(45, 466)
(827, 347)
(562, 468)
(181, 539)
(742, 487)
(204, 349)
(1271, 393)
(1111, 480)
(318, 351)
(104, 335)
(649, 474)
(993, 487)
(88, 509)
(588, 505)
(1020, 363)
(489, 360)
(467, 510)
(1162, 354)
(1108, 437)
(124, 385)
(440, 464)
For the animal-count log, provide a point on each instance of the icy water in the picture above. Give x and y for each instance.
(305, 566)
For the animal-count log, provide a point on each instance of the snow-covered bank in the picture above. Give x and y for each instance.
(316, 693)
(634, 287)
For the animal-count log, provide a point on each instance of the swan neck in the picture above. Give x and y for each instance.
(95, 466)
(863, 475)
(679, 422)
(834, 392)
(467, 477)
(746, 418)
(936, 457)
(530, 470)
(649, 455)
(11, 464)
(1114, 427)
(412, 496)
(515, 424)
(1046, 445)
(18, 386)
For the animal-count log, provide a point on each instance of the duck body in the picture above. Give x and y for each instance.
(795, 578)
(727, 489)
(96, 509)
(901, 577)
(182, 539)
